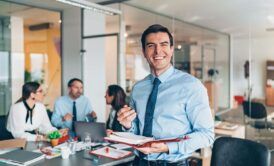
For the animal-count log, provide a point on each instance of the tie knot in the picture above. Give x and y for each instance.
(156, 81)
(74, 102)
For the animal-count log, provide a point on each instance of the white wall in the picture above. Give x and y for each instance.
(94, 63)
(71, 45)
(261, 50)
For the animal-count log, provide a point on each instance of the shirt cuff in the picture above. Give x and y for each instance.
(173, 147)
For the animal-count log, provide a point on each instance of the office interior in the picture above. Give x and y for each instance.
(225, 44)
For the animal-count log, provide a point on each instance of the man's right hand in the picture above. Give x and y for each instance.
(67, 117)
(125, 116)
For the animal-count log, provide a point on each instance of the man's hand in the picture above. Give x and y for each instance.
(125, 116)
(109, 132)
(154, 148)
(64, 132)
(67, 117)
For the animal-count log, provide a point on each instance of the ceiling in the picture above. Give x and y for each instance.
(239, 18)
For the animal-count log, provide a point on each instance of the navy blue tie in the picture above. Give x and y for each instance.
(74, 114)
(150, 108)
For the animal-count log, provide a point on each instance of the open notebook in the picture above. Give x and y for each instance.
(138, 140)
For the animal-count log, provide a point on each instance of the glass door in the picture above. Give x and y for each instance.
(5, 94)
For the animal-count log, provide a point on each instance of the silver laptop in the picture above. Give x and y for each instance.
(96, 130)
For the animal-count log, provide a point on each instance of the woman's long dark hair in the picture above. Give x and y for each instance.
(119, 96)
(28, 88)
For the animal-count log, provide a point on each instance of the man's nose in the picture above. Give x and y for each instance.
(158, 49)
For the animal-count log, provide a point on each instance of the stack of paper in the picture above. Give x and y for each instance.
(111, 152)
(227, 126)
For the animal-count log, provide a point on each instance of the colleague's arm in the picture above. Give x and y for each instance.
(45, 126)
(57, 119)
(89, 111)
(199, 115)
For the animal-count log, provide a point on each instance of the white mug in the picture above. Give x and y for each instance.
(65, 152)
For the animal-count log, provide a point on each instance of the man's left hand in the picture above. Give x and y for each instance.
(154, 148)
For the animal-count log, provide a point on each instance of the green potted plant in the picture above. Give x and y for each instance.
(54, 137)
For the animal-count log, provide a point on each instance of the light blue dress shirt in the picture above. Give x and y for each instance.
(64, 105)
(182, 108)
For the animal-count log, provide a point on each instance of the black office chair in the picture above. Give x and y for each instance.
(4, 133)
(258, 115)
(228, 151)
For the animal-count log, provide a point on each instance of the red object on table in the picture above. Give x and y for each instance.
(63, 139)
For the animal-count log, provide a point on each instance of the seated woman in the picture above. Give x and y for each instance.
(28, 116)
(116, 97)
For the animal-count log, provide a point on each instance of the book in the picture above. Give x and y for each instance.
(138, 140)
(21, 157)
(111, 153)
(227, 126)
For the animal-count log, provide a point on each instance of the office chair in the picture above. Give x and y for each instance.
(258, 113)
(229, 151)
(4, 133)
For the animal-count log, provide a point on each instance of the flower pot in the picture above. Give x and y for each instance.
(54, 142)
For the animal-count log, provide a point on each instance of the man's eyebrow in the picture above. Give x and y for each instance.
(164, 42)
(150, 43)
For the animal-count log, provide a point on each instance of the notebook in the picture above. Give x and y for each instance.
(138, 140)
(21, 157)
(96, 130)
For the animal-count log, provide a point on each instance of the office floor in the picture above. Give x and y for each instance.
(265, 137)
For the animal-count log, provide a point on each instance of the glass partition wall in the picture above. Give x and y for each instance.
(29, 51)
(199, 51)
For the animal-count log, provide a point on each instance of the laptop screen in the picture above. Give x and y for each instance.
(96, 130)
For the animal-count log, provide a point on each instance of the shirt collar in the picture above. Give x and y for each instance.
(164, 76)
(71, 100)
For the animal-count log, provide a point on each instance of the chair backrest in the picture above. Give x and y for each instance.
(5, 134)
(254, 110)
(228, 151)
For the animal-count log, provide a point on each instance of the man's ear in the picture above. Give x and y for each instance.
(172, 50)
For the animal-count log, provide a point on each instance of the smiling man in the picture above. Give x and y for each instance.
(167, 103)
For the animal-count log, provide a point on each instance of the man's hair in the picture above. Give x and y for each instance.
(154, 29)
(72, 81)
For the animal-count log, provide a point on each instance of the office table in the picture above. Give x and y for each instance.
(81, 158)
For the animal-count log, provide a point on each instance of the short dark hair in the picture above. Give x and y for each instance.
(154, 29)
(119, 96)
(72, 81)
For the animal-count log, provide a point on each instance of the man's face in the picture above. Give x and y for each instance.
(158, 52)
(76, 89)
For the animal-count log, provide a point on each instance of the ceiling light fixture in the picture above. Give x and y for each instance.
(91, 6)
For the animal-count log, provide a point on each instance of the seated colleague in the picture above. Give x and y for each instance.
(28, 115)
(167, 103)
(116, 97)
(74, 107)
